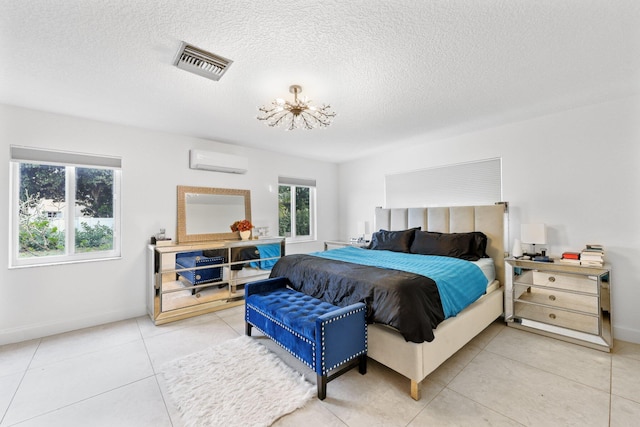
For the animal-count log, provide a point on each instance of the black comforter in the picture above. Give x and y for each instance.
(406, 301)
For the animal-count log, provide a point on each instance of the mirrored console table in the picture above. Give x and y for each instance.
(192, 279)
(569, 302)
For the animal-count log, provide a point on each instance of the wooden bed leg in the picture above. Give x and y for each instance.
(415, 390)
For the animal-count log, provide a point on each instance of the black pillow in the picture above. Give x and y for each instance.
(397, 241)
(468, 246)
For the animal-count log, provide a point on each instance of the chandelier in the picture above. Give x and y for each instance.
(297, 114)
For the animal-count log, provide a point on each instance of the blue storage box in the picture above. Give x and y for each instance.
(197, 259)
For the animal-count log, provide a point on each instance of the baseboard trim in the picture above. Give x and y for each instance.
(626, 334)
(30, 332)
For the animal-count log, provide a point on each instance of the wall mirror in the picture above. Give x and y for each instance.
(205, 213)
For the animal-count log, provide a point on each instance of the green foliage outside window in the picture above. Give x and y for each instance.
(284, 213)
(94, 238)
(94, 192)
(302, 211)
(297, 210)
(39, 231)
(37, 236)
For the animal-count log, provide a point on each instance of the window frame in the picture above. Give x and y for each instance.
(294, 183)
(24, 155)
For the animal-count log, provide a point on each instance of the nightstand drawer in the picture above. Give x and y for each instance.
(572, 282)
(556, 298)
(552, 316)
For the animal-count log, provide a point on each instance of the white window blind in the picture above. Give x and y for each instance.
(284, 180)
(464, 184)
(35, 155)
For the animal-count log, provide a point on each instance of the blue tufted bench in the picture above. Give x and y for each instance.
(323, 336)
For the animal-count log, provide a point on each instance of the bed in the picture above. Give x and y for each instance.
(414, 354)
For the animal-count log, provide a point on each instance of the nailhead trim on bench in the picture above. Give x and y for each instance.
(288, 329)
(324, 368)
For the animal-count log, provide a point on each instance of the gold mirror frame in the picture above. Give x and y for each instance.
(183, 190)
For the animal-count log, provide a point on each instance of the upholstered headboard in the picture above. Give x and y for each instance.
(455, 219)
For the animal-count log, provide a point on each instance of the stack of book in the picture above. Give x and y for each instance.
(570, 258)
(592, 255)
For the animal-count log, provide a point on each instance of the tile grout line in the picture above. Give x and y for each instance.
(155, 374)
(81, 400)
(20, 382)
(482, 349)
(446, 386)
(610, 386)
(554, 373)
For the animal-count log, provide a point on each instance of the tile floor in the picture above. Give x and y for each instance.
(108, 376)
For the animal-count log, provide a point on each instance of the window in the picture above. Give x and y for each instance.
(297, 208)
(64, 207)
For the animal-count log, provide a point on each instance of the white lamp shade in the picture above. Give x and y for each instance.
(533, 233)
(363, 228)
(517, 248)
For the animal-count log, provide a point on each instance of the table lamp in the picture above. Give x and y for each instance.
(533, 234)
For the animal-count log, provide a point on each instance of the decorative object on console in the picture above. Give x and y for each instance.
(363, 231)
(261, 232)
(243, 227)
(533, 234)
(297, 114)
(164, 242)
(592, 255)
(570, 258)
(517, 249)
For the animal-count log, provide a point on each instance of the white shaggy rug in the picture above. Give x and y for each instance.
(237, 383)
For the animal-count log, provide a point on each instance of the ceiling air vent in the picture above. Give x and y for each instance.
(201, 62)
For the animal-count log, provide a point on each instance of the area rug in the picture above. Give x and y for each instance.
(237, 383)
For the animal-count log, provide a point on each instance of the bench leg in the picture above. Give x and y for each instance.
(322, 386)
(247, 329)
(362, 366)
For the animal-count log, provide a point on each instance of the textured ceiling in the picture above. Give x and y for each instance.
(390, 69)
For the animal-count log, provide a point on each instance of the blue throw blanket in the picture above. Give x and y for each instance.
(267, 251)
(459, 282)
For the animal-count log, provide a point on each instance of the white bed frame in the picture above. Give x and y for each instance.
(416, 361)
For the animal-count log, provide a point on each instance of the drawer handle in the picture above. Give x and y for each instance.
(552, 297)
(552, 279)
(552, 316)
(197, 277)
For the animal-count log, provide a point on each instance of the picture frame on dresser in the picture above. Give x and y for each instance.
(565, 301)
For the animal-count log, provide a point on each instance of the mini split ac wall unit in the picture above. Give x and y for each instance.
(217, 162)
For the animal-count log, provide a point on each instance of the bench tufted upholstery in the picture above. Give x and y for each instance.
(321, 335)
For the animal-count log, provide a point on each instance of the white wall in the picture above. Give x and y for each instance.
(40, 301)
(576, 171)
